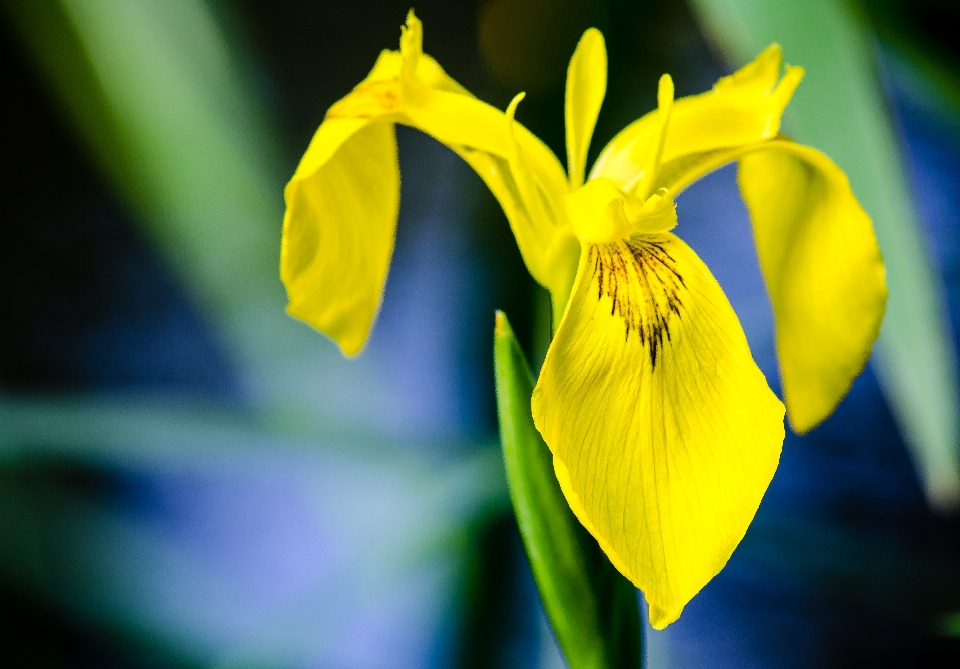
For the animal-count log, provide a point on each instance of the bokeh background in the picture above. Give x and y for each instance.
(189, 478)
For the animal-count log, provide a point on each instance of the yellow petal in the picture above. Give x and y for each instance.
(596, 212)
(338, 229)
(434, 103)
(647, 176)
(550, 251)
(586, 86)
(521, 171)
(740, 109)
(820, 259)
(823, 270)
(342, 205)
(600, 213)
(664, 432)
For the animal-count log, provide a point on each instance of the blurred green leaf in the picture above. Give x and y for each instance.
(79, 536)
(157, 93)
(153, 89)
(839, 108)
(592, 608)
(949, 625)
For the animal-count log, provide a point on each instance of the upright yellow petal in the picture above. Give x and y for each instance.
(646, 177)
(823, 270)
(664, 432)
(338, 230)
(742, 108)
(586, 86)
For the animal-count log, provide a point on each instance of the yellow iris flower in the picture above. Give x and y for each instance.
(664, 432)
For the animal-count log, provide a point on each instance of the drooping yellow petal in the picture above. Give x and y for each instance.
(586, 86)
(823, 270)
(664, 432)
(343, 207)
(820, 259)
(338, 230)
(740, 109)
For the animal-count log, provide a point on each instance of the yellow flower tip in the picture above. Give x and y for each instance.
(411, 41)
(759, 76)
(501, 326)
(591, 35)
(665, 92)
(512, 107)
(773, 55)
(660, 618)
(349, 340)
(792, 76)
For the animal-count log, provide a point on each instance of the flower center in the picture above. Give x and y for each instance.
(596, 212)
(601, 213)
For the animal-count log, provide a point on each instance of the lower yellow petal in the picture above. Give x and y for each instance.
(664, 432)
(823, 270)
(339, 228)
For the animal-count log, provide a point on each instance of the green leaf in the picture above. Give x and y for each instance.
(155, 91)
(591, 607)
(160, 94)
(839, 109)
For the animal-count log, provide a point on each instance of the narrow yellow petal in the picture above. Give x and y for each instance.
(533, 203)
(338, 229)
(823, 270)
(740, 109)
(586, 87)
(647, 177)
(663, 430)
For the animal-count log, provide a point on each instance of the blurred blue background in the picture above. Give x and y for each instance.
(189, 478)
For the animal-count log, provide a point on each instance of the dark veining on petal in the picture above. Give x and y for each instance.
(641, 279)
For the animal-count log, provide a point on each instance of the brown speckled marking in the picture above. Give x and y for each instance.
(650, 305)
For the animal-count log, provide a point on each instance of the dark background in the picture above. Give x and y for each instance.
(154, 514)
